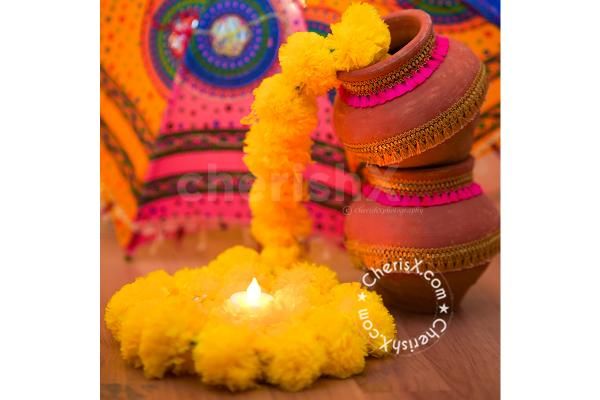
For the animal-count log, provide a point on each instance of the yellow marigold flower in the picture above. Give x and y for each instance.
(197, 282)
(285, 194)
(225, 355)
(154, 285)
(360, 39)
(276, 152)
(263, 166)
(280, 229)
(296, 301)
(293, 357)
(384, 322)
(226, 262)
(168, 335)
(279, 219)
(237, 257)
(346, 298)
(281, 256)
(132, 328)
(305, 58)
(346, 350)
(273, 147)
(277, 99)
(306, 273)
(270, 139)
(270, 235)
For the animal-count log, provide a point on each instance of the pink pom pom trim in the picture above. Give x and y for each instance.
(421, 75)
(437, 199)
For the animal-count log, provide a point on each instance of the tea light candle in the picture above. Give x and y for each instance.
(252, 299)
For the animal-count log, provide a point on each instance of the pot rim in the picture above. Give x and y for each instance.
(404, 54)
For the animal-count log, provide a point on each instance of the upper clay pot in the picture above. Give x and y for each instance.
(416, 107)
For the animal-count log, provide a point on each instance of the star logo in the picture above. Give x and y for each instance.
(362, 296)
(444, 308)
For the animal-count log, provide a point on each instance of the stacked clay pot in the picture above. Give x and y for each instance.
(407, 124)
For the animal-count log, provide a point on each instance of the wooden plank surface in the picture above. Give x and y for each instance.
(465, 364)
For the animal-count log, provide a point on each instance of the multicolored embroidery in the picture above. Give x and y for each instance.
(441, 259)
(398, 82)
(376, 85)
(425, 200)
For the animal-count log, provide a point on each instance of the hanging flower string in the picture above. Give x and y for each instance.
(306, 323)
(283, 115)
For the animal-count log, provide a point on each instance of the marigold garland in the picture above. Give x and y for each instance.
(284, 113)
(181, 323)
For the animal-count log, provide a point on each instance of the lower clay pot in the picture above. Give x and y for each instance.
(456, 238)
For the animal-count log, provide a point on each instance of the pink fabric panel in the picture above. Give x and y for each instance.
(183, 163)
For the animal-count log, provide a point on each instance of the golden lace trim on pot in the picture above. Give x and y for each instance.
(417, 140)
(395, 185)
(391, 79)
(441, 259)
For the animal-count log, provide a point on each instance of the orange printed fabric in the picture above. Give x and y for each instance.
(134, 86)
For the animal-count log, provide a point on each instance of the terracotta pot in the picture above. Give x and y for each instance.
(437, 215)
(417, 107)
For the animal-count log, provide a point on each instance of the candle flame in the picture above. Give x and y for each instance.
(253, 293)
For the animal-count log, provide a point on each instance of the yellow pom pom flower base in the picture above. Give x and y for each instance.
(186, 323)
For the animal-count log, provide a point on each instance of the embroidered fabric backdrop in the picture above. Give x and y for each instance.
(176, 78)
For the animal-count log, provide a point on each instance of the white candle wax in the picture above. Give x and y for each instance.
(252, 298)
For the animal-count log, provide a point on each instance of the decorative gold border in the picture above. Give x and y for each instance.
(417, 140)
(441, 259)
(391, 79)
(392, 184)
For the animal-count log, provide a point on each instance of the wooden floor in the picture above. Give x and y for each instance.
(465, 364)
